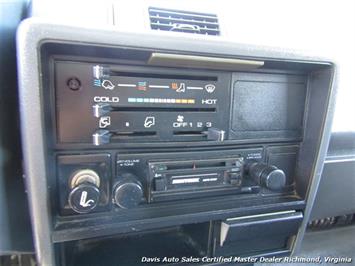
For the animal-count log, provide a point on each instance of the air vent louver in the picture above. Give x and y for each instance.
(183, 21)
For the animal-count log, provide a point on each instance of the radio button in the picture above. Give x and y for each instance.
(235, 179)
(160, 167)
(159, 184)
(239, 163)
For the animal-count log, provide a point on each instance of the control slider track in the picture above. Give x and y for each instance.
(162, 109)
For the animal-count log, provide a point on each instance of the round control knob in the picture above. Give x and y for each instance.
(85, 194)
(128, 193)
(84, 198)
(268, 176)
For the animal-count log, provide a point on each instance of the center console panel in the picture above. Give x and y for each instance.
(215, 158)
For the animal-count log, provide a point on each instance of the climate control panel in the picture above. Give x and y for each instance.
(121, 103)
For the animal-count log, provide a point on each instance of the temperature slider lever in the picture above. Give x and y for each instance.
(101, 109)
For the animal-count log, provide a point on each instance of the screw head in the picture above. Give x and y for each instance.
(74, 84)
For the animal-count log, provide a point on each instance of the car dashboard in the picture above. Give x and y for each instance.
(173, 144)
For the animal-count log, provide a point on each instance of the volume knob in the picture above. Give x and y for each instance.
(128, 193)
(268, 176)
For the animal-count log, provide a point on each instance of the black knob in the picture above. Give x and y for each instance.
(128, 193)
(84, 198)
(268, 176)
(85, 194)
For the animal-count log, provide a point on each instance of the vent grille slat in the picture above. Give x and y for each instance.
(202, 23)
(181, 21)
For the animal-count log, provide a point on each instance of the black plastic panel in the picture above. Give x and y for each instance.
(76, 104)
(255, 235)
(150, 247)
(267, 106)
(282, 95)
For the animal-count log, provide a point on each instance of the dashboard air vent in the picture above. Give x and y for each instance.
(183, 21)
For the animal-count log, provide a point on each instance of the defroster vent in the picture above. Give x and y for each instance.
(183, 21)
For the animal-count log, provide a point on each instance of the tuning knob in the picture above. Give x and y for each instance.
(128, 193)
(84, 194)
(268, 176)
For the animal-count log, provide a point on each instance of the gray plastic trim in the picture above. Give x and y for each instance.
(319, 164)
(206, 62)
(338, 176)
(33, 146)
(34, 31)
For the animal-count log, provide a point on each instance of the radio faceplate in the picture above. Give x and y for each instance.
(195, 178)
(144, 179)
(183, 176)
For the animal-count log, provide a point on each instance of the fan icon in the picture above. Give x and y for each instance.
(180, 118)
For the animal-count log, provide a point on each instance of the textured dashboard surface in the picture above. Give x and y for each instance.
(15, 228)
